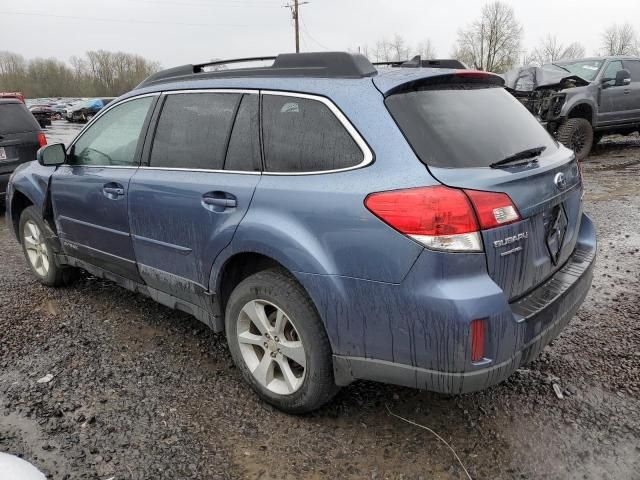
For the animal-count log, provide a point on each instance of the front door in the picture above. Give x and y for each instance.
(90, 192)
(185, 205)
(615, 107)
(633, 90)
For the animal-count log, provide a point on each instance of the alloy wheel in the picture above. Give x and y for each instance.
(271, 347)
(36, 248)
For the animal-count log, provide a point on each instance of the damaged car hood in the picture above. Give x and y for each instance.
(528, 79)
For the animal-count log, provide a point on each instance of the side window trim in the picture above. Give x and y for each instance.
(153, 128)
(143, 132)
(341, 117)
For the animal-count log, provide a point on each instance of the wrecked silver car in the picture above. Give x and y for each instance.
(579, 101)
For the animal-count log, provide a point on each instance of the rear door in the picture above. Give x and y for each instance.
(186, 202)
(90, 193)
(459, 130)
(18, 138)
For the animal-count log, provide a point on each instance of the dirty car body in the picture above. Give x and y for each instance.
(429, 265)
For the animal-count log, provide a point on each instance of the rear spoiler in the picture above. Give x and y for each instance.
(453, 77)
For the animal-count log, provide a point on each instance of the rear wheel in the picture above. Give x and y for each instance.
(38, 252)
(278, 342)
(577, 134)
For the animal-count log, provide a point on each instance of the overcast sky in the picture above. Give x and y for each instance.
(176, 32)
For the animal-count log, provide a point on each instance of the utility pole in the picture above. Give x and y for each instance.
(294, 7)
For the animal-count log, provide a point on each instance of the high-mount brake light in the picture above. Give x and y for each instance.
(442, 218)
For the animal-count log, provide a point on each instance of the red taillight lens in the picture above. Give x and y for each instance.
(42, 139)
(493, 209)
(439, 217)
(477, 340)
(424, 211)
(443, 218)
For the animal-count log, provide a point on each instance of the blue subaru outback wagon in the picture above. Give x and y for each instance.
(415, 226)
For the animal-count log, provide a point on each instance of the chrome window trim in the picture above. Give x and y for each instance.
(177, 169)
(213, 90)
(99, 166)
(351, 130)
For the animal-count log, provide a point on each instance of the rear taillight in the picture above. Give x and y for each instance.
(478, 328)
(442, 218)
(42, 140)
(493, 209)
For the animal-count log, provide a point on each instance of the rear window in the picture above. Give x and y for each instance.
(466, 128)
(15, 118)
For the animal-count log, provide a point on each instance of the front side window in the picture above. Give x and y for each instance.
(303, 135)
(113, 139)
(193, 131)
(612, 69)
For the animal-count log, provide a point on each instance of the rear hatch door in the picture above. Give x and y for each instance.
(18, 136)
(461, 130)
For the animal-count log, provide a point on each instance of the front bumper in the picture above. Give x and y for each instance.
(528, 326)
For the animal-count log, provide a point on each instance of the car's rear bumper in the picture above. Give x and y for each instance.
(521, 332)
(4, 181)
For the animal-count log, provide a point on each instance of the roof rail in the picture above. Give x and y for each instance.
(417, 62)
(321, 64)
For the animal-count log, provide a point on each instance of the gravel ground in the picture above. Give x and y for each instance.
(142, 392)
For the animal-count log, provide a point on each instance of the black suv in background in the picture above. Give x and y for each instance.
(20, 138)
(580, 101)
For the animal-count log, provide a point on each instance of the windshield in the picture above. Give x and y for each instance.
(587, 69)
(458, 128)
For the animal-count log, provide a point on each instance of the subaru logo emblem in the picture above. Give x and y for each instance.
(561, 181)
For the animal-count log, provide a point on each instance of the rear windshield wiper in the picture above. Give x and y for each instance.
(517, 157)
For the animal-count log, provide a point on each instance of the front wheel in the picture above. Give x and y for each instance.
(279, 343)
(38, 252)
(577, 134)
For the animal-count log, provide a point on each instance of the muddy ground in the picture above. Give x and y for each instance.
(142, 392)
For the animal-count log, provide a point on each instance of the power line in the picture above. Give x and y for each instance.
(114, 20)
(305, 30)
(224, 4)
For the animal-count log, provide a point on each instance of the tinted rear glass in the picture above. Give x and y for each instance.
(464, 128)
(303, 135)
(15, 118)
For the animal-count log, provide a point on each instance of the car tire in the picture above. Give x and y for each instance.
(264, 352)
(577, 134)
(38, 251)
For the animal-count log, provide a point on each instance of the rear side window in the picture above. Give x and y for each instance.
(466, 128)
(303, 135)
(15, 118)
(634, 68)
(243, 153)
(193, 130)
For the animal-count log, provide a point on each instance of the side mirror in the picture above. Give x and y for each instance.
(52, 155)
(623, 77)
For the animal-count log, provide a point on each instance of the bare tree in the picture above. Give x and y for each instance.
(551, 50)
(426, 50)
(493, 42)
(620, 40)
(398, 48)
